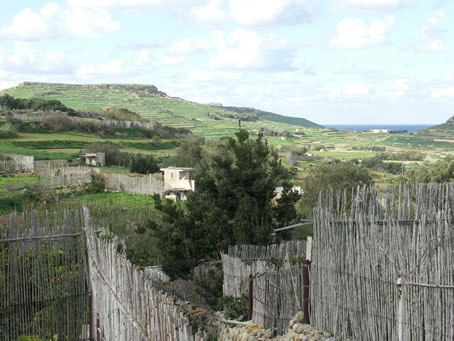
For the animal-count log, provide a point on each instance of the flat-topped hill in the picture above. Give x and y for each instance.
(153, 104)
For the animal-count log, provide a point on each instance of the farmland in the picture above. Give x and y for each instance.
(287, 135)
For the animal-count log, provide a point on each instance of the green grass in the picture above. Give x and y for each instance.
(7, 147)
(51, 144)
(124, 201)
(122, 213)
(194, 116)
(11, 195)
(166, 110)
(118, 170)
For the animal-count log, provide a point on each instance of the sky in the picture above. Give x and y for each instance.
(330, 61)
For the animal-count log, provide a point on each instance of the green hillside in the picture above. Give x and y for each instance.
(155, 105)
(269, 116)
(441, 131)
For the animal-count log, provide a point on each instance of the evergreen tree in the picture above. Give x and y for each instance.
(233, 204)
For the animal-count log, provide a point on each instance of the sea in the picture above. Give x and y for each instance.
(366, 127)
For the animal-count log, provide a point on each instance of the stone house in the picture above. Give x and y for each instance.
(177, 182)
(94, 159)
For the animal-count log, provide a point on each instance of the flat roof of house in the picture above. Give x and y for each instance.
(89, 155)
(177, 168)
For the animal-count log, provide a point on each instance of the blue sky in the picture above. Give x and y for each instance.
(330, 61)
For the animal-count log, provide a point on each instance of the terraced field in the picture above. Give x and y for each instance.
(150, 103)
(154, 106)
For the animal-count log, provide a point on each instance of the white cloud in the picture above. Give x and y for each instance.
(348, 91)
(135, 7)
(114, 68)
(433, 46)
(449, 76)
(246, 50)
(209, 14)
(399, 89)
(89, 23)
(212, 75)
(443, 93)
(375, 5)
(5, 84)
(123, 4)
(431, 32)
(356, 33)
(26, 59)
(189, 46)
(54, 21)
(266, 12)
(433, 23)
(356, 89)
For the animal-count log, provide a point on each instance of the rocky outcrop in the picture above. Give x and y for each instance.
(137, 89)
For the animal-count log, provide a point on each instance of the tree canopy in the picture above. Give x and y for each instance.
(440, 171)
(233, 204)
(336, 175)
(9, 102)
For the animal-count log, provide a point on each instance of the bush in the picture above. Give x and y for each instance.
(121, 114)
(87, 126)
(235, 308)
(97, 185)
(7, 131)
(143, 164)
(58, 123)
(34, 104)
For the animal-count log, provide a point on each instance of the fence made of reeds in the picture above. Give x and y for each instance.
(43, 277)
(382, 263)
(125, 304)
(50, 288)
(275, 273)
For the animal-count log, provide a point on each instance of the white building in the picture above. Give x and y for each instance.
(177, 182)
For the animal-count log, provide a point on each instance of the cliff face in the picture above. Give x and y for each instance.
(138, 89)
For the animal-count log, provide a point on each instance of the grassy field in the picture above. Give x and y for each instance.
(67, 145)
(12, 195)
(125, 215)
(324, 143)
(166, 110)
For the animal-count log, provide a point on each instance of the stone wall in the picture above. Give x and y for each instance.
(46, 168)
(36, 117)
(17, 164)
(135, 183)
(249, 331)
(114, 124)
(66, 171)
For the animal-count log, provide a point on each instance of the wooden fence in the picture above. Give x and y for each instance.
(125, 304)
(294, 248)
(43, 277)
(48, 285)
(277, 280)
(382, 263)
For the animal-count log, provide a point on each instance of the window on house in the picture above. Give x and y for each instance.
(172, 176)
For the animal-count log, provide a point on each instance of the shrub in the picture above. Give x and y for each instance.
(57, 123)
(97, 185)
(235, 308)
(143, 164)
(7, 131)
